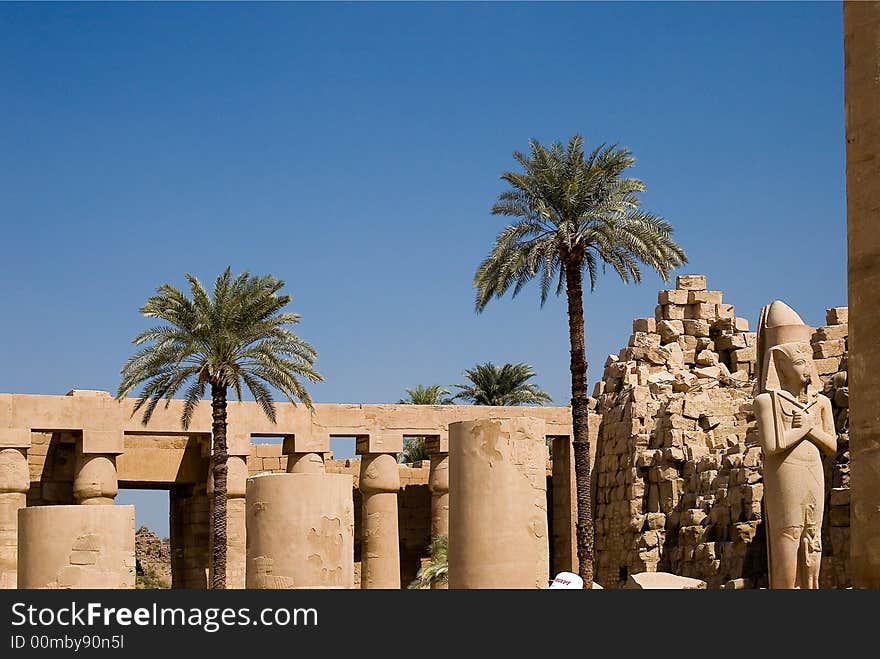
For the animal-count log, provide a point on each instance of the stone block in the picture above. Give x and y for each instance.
(644, 340)
(644, 325)
(662, 581)
(730, 341)
(709, 372)
(827, 366)
(656, 521)
(305, 443)
(696, 327)
(700, 311)
(690, 282)
(707, 358)
(837, 316)
(742, 355)
(723, 310)
(108, 442)
(375, 443)
(670, 330)
(704, 297)
(672, 297)
(831, 348)
(672, 312)
(15, 438)
(831, 332)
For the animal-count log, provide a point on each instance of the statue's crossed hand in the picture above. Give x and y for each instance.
(804, 420)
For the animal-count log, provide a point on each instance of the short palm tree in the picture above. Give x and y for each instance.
(414, 448)
(437, 570)
(434, 394)
(234, 337)
(575, 213)
(501, 385)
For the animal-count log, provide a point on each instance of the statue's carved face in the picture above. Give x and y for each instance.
(795, 367)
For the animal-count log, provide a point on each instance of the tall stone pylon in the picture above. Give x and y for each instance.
(861, 27)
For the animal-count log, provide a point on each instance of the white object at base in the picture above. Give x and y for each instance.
(567, 580)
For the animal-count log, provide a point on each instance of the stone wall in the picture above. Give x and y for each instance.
(678, 471)
(152, 560)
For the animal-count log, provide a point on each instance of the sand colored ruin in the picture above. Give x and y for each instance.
(498, 511)
(76, 547)
(83, 447)
(678, 467)
(678, 476)
(300, 531)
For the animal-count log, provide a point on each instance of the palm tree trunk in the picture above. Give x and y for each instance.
(580, 420)
(219, 457)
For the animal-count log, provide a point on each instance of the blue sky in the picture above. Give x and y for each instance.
(354, 150)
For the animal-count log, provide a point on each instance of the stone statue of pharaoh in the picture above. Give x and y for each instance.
(795, 423)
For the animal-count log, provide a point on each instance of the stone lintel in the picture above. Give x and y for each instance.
(107, 442)
(15, 438)
(305, 444)
(386, 443)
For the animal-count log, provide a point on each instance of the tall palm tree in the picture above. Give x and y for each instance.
(235, 336)
(501, 385)
(575, 214)
(414, 448)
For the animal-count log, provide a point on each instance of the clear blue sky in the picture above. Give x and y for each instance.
(354, 150)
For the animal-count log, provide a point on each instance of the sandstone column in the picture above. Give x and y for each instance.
(76, 547)
(438, 482)
(14, 484)
(564, 506)
(300, 530)
(861, 24)
(95, 480)
(305, 455)
(379, 485)
(498, 505)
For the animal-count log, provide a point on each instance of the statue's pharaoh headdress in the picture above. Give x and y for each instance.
(782, 332)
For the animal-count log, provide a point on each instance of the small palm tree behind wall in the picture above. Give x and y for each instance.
(414, 448)
(235, 337)
(576, 215)
(501, 385)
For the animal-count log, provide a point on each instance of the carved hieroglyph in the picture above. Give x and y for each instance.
(795, 424)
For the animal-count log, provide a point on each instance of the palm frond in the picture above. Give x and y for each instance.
(238, 334)
(501, 385)
(573, 210)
